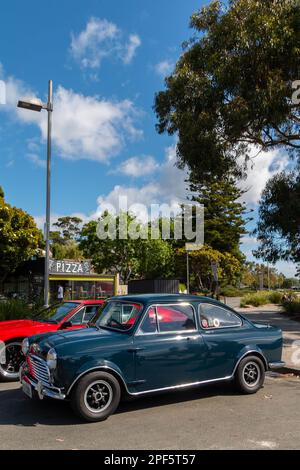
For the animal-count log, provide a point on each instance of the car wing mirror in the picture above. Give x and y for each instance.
(66, 324)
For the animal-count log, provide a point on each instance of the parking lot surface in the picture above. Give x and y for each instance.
(203, 418)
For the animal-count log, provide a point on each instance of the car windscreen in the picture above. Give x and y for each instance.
(56, 313)
(119, 316)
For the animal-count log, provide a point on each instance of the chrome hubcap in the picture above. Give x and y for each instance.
(98, 396)
(251, 374)
(11, 359)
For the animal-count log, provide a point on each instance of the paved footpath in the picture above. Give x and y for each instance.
(290, 329)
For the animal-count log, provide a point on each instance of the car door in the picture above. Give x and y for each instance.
(169, 350)
(223, 332)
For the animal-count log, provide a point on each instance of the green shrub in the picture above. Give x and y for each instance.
(261, 298)
(293, 307)
(14, 309)
(275, 297)
(230, 291)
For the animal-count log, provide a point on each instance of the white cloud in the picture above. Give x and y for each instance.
(168, 187)
(138, 166)
(36, 160)
(10, 163)
(164, 68)
(90, 128)
(84, 127)
(101, 39)
(264, 166)
(131, 47)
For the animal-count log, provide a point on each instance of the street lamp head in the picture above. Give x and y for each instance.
(32, 104)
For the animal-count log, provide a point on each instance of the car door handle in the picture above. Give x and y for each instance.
(135, 349)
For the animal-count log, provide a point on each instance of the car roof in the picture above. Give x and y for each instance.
(146, 298)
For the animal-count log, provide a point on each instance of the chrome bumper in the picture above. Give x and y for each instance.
(42, 389)
(276, 365)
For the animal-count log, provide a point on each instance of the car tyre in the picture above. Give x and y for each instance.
(14, 349)
(250, 375)
(96, 396)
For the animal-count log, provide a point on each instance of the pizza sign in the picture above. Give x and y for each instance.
(69, 267)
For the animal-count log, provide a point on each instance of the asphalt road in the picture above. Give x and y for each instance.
(204, 418)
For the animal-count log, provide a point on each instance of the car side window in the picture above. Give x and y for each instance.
(90, 312)
(175, 318)
(149, 323)
(213, 316)
(77, 319)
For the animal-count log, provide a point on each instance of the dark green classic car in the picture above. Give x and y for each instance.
(145, 344)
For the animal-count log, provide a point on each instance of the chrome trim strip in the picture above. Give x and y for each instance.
(175, 387)
(276, 365)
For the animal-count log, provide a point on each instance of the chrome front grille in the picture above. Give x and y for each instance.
(39, 369)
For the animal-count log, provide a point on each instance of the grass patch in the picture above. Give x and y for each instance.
(234, 292)
(261, 298)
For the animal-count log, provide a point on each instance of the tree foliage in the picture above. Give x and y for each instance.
(278, 229)
(232, 87)
(64, 241)
(271, 278)
(224, 214)
(229, 267)
(131, 258)
(19, 237)
(69, 228)
(117, 255)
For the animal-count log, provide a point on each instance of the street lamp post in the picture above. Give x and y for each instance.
(187, 273)
(37, 105)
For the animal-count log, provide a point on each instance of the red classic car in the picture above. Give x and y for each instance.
(67, 315)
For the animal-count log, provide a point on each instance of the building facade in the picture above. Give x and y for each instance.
(77, 278)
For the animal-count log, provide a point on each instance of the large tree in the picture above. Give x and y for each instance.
(224, 214)
(278, 229)
(69, 228)
(229, 267)
(130, 257)
(232, 87)
(64, 241)
(111, 254)
(19, 237)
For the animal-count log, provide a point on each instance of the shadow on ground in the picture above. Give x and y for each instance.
(16, 409)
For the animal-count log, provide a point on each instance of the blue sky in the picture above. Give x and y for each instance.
(107, 59)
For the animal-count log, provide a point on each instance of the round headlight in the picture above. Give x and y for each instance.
(25, 346)
(52, 358)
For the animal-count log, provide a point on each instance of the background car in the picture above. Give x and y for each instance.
(146, 344)
(65, 316)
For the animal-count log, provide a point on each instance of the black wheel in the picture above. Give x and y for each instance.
(250, 374)
(11, 358)
(96, 396)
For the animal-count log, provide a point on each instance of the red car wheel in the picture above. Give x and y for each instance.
(11, 358)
